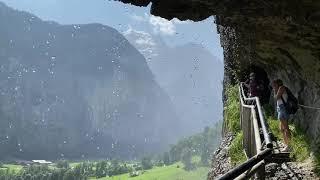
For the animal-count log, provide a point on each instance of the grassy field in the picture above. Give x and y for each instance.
(172, 172)
(11, 167)
(74, 164)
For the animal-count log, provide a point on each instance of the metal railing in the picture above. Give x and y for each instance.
(257, 143)
(245, 103)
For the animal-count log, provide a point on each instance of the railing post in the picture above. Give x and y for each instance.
(252, 136)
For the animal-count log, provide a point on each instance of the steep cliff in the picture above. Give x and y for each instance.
(189, 74)
(75, 91)
(281, 37)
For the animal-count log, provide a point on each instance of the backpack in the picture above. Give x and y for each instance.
(292, 103)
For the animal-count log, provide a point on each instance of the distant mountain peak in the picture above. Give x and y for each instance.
(189, 73)
(148, 44)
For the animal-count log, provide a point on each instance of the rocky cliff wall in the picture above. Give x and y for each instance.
(282, 37)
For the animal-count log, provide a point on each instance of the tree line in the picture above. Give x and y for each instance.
(63, 171)
(202, 144)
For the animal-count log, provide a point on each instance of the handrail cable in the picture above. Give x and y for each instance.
(309, 107)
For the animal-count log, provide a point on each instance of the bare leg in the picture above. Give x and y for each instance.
(282, 130)
(285, 131)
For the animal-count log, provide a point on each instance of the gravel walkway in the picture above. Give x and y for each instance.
(292, 170)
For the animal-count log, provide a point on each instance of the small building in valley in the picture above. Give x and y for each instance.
(41, 162)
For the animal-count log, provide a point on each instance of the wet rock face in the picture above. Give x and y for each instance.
(221, 162)
(282, 37)
(285, 49)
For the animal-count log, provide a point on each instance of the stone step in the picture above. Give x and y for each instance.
(279, 157)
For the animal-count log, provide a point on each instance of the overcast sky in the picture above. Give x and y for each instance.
(124, 17)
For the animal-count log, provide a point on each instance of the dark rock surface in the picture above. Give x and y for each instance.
(220, 159)
(291, 170)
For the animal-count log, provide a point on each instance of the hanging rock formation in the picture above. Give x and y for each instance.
(282, 37)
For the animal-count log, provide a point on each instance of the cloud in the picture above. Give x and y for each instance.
(177, 21)
(158, 24)
(138, 18)
(146, 41)
(161, 25)
(140, 37)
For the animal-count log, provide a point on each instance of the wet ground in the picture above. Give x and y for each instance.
(290, 170)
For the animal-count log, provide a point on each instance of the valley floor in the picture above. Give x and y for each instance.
(172, 172)
(175, 171)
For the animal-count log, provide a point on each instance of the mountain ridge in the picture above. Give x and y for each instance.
(195, 88)
(75, 91)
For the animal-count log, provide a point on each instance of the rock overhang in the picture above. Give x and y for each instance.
(282, 37)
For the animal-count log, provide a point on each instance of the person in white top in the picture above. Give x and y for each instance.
(281, 96)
